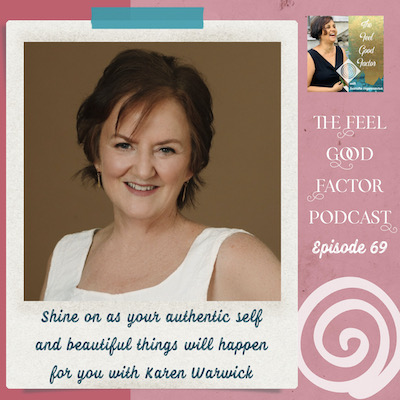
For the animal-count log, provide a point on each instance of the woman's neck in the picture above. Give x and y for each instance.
(326, 48)
(125, 229)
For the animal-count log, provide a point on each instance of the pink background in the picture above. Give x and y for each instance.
(382, 270)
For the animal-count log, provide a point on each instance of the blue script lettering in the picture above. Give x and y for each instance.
(52, 316)
(152, 373)
(82, 374)
(255, 317)
(136, 318)
(59, 374)
(241, 346)
(216, 373)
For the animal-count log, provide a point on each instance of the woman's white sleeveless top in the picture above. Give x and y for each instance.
(189, 282)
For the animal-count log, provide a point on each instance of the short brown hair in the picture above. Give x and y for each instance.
(317, 25)
(147, 78)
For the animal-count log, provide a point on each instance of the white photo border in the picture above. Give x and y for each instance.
(279, 369)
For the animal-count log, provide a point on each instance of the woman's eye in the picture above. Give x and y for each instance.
(123, 146)
(167, 150)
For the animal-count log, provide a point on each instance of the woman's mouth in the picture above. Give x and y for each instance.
(141, 188)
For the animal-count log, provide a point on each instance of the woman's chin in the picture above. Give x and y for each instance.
(141, 213)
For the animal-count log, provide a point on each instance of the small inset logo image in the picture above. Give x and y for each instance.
(348, 71)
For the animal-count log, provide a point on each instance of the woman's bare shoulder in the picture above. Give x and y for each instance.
(246, 269)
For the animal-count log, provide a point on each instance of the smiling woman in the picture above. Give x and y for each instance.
(323, 60)
(152, 162)
(146, 131)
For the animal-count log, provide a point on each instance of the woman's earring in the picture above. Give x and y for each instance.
(99, 179)
(184, 191)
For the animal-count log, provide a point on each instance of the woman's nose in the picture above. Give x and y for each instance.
(143, 165)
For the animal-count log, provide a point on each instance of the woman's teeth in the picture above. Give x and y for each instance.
(138, 187)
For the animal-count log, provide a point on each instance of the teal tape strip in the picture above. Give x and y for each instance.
(147, 17)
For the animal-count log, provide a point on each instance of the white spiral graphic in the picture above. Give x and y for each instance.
(315, 196)
(346, 132)
(389, 227)
(335, 164)
(381, 372)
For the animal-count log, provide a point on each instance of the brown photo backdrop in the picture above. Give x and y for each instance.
(242, 180)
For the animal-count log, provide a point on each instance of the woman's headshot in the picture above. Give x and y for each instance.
(146, 132)
(325, 58)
